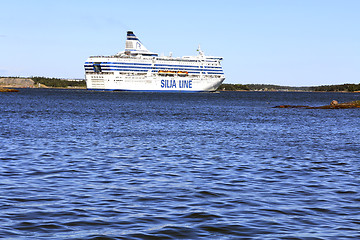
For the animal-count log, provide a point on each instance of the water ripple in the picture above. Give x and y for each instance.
(95, 165)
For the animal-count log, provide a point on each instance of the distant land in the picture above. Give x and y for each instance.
(44, 82)
(269, 87)
(41, 82)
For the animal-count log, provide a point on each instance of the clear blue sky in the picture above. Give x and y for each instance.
(284, 42)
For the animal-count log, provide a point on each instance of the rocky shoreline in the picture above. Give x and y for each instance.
(8, 82)
(8, 90)
(333, 105)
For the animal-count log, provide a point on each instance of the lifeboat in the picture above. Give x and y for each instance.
(166, 72)
(182, 73)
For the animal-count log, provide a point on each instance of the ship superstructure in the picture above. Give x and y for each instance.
(138, 69)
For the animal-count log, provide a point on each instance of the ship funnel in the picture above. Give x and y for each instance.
(133, 44)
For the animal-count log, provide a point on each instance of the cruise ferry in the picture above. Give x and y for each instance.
(138, 69)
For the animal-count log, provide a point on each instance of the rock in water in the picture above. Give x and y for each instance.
(334, 102)
(8, 90)
(333, 105)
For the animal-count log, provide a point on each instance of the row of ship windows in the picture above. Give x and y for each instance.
(162, 60)
(167, 65)
(146, 64)
(204, 72)
(154, 71)
(157, 68)
(107, 66)
(149, 65)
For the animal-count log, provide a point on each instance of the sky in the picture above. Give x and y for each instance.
(281, 42)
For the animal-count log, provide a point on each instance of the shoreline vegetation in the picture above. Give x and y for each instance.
(277, 88)
(44, 82)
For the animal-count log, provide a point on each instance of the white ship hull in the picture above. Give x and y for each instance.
(155, 83)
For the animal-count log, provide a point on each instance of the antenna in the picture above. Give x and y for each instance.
(200, 52)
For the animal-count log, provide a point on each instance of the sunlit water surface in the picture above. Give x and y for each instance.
(78, 164)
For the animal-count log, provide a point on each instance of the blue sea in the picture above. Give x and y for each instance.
(78, 164)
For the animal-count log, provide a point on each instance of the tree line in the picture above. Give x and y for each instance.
(259, 87)
(233, 87)
(338, 88)
(268, 87)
